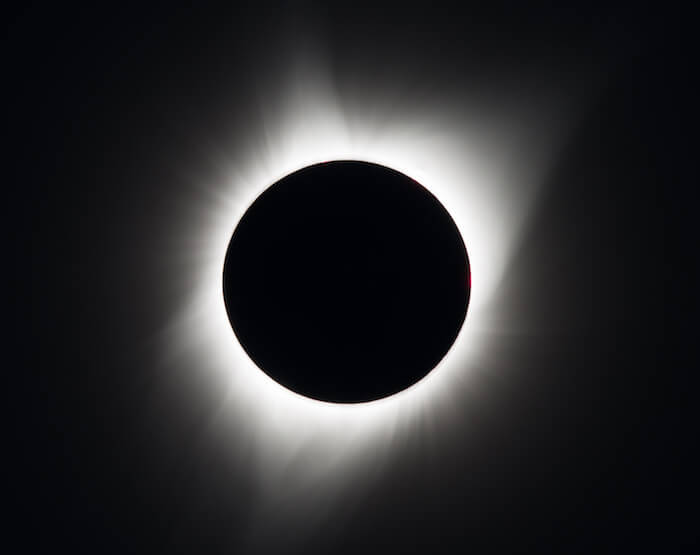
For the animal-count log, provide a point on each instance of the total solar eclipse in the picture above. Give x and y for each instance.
(346, 281)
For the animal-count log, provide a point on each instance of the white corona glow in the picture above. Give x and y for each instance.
(483, 165)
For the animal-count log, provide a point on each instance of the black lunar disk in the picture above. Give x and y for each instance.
(346, 281)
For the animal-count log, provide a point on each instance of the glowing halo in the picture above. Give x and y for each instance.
(485, 172)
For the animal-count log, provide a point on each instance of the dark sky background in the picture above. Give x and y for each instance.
(588, 447)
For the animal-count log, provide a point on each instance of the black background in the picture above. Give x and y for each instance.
(588, 447)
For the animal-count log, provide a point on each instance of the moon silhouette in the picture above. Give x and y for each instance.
(346, 281)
